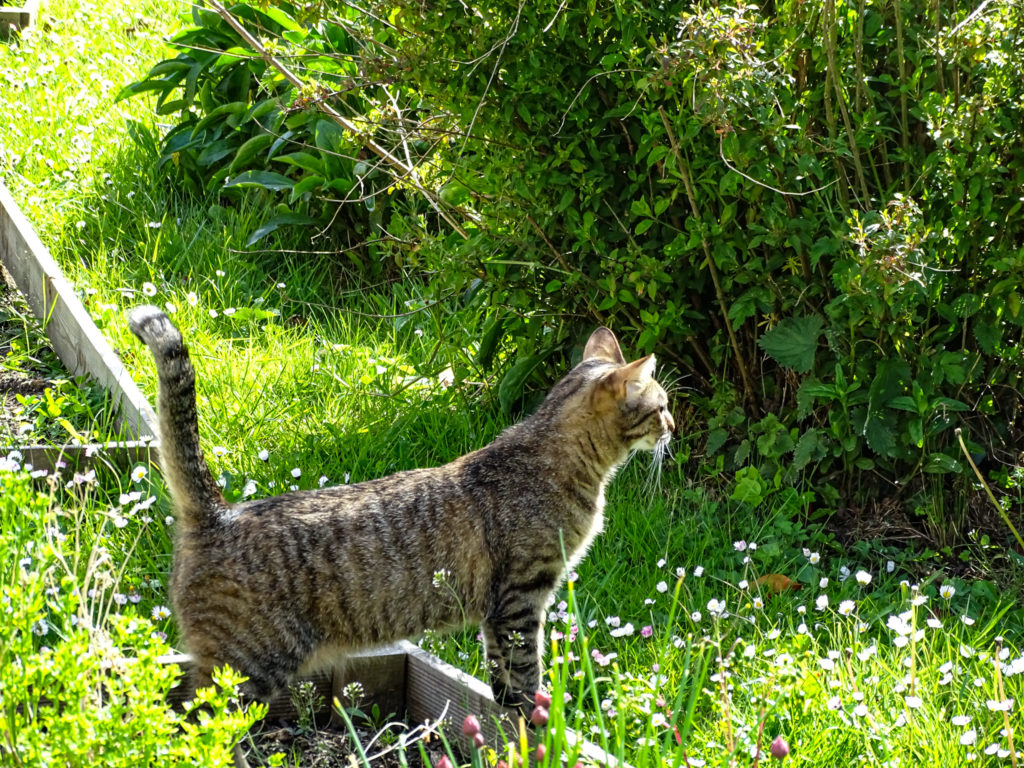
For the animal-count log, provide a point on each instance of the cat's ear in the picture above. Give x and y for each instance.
(630, 377)
(603, 345)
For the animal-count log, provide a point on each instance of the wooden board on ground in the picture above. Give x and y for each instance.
(81, 347)
(417, 688)
(17, 16)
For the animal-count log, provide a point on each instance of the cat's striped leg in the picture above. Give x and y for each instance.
(497, 664)
(514, 647)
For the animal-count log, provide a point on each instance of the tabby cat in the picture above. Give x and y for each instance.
(278, 585)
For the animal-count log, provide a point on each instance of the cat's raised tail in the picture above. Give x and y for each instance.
(197, 499)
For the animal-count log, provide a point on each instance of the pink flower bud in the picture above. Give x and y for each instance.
(478, 740)
(444, 762)
(542, 699)
(470, 726)
(779, 748)
(539, 716)
(540, 753)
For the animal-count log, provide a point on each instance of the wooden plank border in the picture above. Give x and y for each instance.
(406, 681)
(71, 331)
(18, 16)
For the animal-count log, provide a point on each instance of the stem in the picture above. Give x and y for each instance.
(858, 52)
(1002, 698)
(904, 120)
(991, 496)
(830, 50)
(405, 171)
(684, 171)
(564, 265)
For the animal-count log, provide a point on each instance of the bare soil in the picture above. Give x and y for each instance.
(20, 374)
(329, 746)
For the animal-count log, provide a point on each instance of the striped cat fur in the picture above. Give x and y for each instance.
(280, 585)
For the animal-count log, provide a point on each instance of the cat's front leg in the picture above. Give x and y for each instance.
(497, 666)
(514, 647)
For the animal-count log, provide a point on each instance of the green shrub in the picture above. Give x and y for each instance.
(79, 686)
(811, 210)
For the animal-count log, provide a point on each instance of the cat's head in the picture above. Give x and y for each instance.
(626, 394)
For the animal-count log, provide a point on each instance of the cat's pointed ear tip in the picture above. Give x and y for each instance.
(603, 344)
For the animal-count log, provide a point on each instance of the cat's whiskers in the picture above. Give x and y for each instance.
(661, 450)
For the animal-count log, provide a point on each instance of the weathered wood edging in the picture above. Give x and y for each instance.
(81, 347)
(17, 16)
(419, 688)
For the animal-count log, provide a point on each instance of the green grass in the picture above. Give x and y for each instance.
(340, 381)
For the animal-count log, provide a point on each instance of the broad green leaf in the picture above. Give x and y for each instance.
(248, 151)
(716, 439)
(793, 342)
(489, 343)
(941, 464)
(879, 436)
(904, 403)
(264, 179)
(510, 390)
(281, 220)
(809, 447)
(644, 225)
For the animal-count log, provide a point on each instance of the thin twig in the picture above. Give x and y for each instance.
(406, 171)
(748, 387)
(731, 167)
(563, 263)
(988, 491)
(350, 311)
(971, 17)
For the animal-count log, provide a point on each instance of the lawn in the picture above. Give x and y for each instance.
(703, 624)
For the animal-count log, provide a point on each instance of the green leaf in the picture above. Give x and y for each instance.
(716, 439)
(749, 486)
(793, 342)
(279, 16)
(988, 336)
(904, 403)
(489, 343)
(233, 55)
(304, 160)
(510, 390)
(967, 304)
(808, 448)
(640, 208)
(941, 464)
(808, 392)
(879, 436)
(281, 220)
(950, 404)
(264, 179)
(248, 151)
(328, 136)
(215, 151)
(308, 184)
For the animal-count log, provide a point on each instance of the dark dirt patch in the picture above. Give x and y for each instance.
(331, 746)
(966, 538)
(26, 364)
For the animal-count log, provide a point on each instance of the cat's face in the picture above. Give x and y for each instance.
(629, 395)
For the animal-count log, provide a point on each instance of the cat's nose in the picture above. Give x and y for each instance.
(670, 424)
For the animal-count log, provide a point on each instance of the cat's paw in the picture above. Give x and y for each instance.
(509, 698)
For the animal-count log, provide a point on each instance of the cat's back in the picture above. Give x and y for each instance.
(358, 558)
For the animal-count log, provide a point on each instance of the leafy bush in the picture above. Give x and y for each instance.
(812, 210)
(82, 687)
